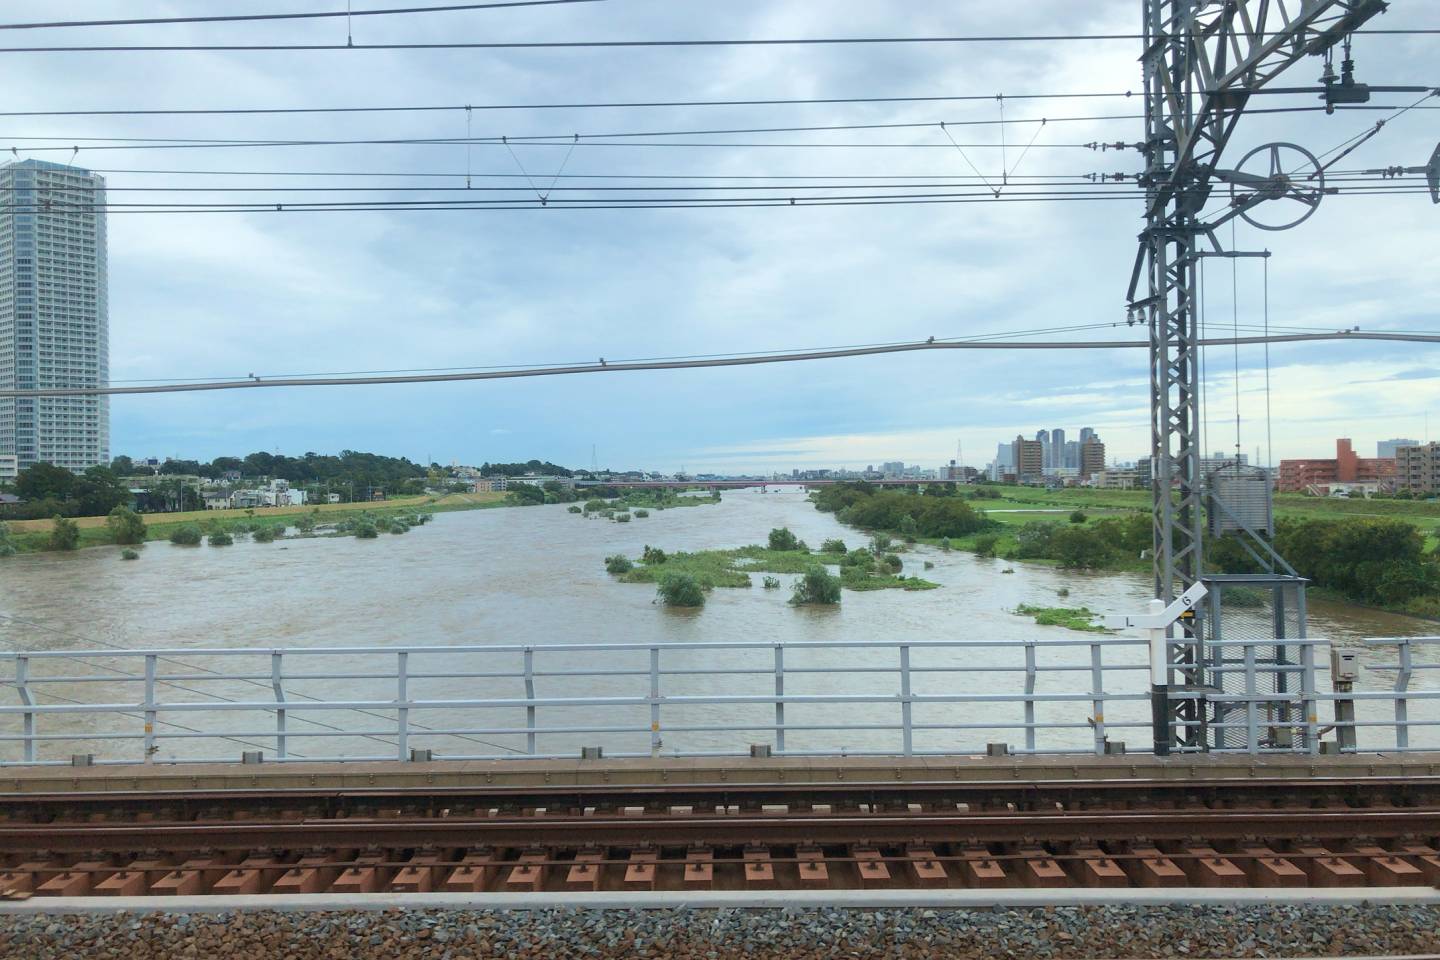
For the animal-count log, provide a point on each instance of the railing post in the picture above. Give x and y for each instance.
(150, 711)
(277, 685)
(1252, 732)
(655, 740)
(530, 696)
(1402, 703)
(1308, 702)
(779, 698)
(22, 687)
(1030, 673)
(1097, 695)
(402, 712)
(906, 719)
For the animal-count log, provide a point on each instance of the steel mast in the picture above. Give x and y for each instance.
(1202, 61)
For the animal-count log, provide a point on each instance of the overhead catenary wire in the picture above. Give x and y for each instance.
(307, 15)
(730, 361)
(627, 44)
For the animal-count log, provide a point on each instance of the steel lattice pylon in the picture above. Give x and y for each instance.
(1202, 60)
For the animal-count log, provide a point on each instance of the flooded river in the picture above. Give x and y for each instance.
(536, 576)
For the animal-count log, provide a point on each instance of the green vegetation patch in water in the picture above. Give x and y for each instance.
(732, 568)
(1071, 618)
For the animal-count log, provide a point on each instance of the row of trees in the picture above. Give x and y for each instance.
(931, 514)
(350, 466)
(49, 491)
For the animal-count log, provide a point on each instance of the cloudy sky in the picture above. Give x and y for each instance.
(227, 294)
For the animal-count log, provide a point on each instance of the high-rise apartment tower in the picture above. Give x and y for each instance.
(54, 319)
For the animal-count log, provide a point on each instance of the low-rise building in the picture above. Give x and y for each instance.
(1298, 475)
(1115, 480)
(489, 485)
(9, 467)
(1418, 469)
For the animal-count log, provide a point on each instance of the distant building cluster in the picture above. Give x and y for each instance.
(1053, 460)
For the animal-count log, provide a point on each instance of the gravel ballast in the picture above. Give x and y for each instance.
(1053, 932)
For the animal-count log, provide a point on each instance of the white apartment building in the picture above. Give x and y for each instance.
(54, 319)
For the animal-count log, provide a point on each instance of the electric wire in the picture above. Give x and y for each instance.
(247, 17)
(627, 44)
(729, 361)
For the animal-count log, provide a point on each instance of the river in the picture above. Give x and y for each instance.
(535, 576)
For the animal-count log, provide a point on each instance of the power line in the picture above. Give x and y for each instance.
(621, 44)
(235, 18)
(638, 104)
(730, 361)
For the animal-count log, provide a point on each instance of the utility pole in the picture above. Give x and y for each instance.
(1203, 60)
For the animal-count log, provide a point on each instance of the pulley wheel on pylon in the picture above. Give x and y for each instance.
(1290, 174)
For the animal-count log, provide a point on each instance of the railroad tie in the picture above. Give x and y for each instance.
(1095, 869)
(363, 876)
(585, 874)
(1327, 870)
(1038, 869)
(871, 870)
(1153, 868)
(699, 868)
(418, 874)
(1268, 869)
(979, 869)
(21, 879)
(759, 870)
(925, 871)
(1425, 857)
(133, 881)
(1207, 868)
(186, 880)
(528, 874)
(811, 868)
(251, 876)
(477, 868)
(311, 874)
(74, 883)
(640, 871)
(1385, 868)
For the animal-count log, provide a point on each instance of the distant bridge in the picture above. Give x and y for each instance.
(737, 484)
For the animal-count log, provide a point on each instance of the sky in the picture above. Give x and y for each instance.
(197, 295)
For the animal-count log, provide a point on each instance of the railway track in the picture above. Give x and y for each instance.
(1323, 832)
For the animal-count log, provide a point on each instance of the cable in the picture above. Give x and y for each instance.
(623, 44)
(234, 18)
(731, 361)
(630, 105)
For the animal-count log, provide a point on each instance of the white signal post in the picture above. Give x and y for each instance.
(1158, 621)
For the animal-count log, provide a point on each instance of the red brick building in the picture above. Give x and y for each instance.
(1297, 475)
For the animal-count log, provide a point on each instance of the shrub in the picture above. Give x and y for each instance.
(859, 559)
(680, 590)
(908, 526)
(1078, 516)
(306, 522)
(618, 564)
(1078, 548)
(125, 525)
(594, 506)
(1032, 541)
(65, 535)
(816, 586)
(398, 528)
(128, 554)
(772, 583)
(186, 535)
(782, 539)
(573, 509)
(641, 514)
(880, 543)
(264, 534)
(985, 544)
(365, 529)
(221, 538)
(652, 556)
(833, 546)
(892, 563)
(945, 544)
(622, 518)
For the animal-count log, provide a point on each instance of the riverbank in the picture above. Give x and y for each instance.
(33, 536)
